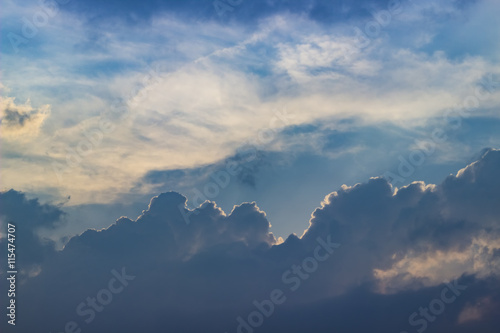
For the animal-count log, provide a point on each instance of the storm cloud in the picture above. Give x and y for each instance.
(384, 253)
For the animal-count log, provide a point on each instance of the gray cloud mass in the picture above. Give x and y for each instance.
(398, 249)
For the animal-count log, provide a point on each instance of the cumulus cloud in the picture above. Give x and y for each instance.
(21, 121)
(429, 233)
(30, 218)
(398, 248)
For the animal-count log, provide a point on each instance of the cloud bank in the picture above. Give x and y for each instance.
(371, 257)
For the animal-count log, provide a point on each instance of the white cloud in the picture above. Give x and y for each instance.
(217, 86)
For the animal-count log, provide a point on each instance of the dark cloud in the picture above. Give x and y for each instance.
(18, 120)
(248, 164)
(29, 217)
(14, 118)
(318, 158)
(202, 269)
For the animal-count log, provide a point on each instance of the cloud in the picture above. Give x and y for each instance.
(398, 246)
(217, 81)
(430, 233)
(482, 308)
(30, 218)
(265, 56)
(21, 121)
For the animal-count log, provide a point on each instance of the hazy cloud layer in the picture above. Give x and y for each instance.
(134, 65)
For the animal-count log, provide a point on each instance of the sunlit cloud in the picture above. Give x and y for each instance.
(21, 121)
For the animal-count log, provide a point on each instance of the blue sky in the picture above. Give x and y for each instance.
(107, 104)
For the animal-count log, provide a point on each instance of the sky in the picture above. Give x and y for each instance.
(261, 166)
